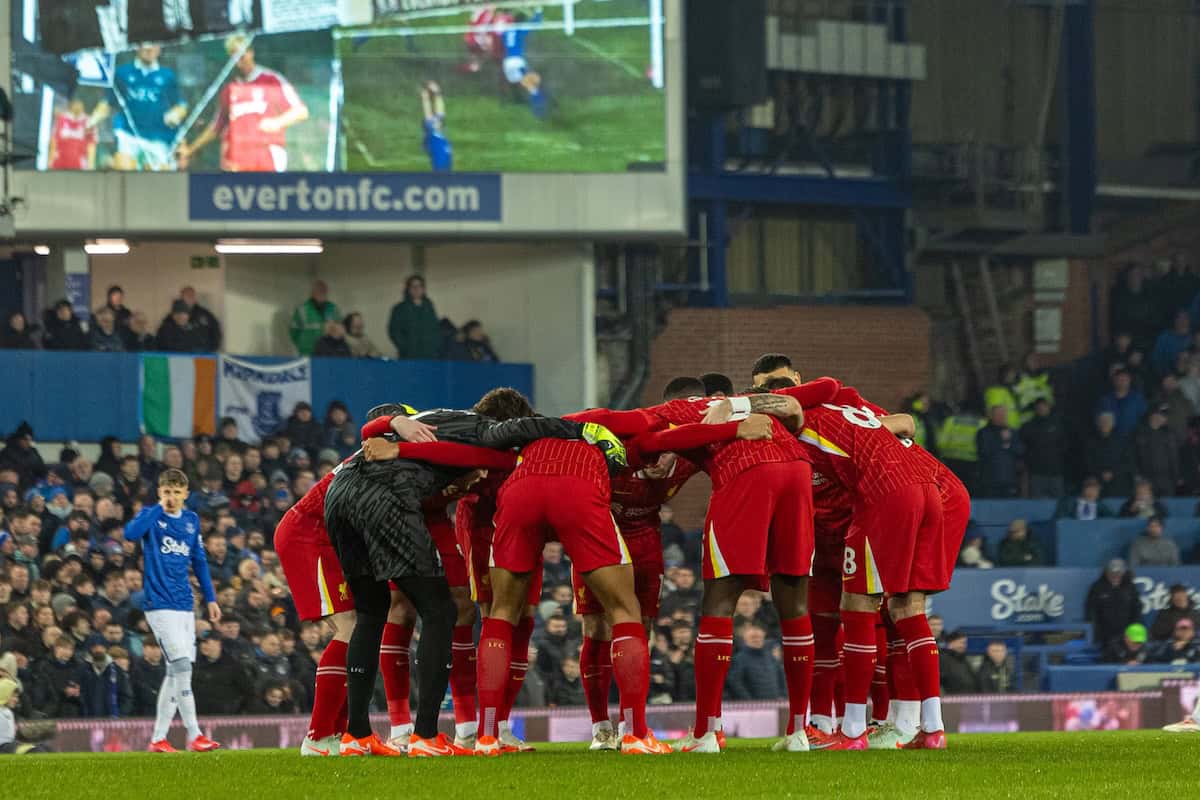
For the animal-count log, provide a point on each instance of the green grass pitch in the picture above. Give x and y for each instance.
(1060, 765)
(606, 116)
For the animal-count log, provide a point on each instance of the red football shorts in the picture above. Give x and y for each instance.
(476, 546)
(533, 510)
(760, 523)
(645, 548)
(311, 566)
(896, 544)
(956, 513)
(441, 528)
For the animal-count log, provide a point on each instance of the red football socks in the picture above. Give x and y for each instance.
(798, 654)
(859, 652)
(900, 678)
(394, 666)
(329, 696)
(827, 666)
(922, 654)
(522, 633)
(881, 698)
(595, 666)
(495, 659)
(631, 670)
(714, 654)
(462, 673)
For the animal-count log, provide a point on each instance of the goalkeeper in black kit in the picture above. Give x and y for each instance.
(373, 513)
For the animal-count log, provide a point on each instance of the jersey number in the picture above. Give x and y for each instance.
(862, 417)
(849, 566)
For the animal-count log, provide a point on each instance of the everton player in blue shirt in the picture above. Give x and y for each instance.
(149, 109)
(437, 146)
(516, 68)
(170, 537)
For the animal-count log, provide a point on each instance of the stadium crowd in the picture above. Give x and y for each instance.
(316, 328)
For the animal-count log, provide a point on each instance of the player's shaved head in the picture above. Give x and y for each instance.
(716, 384)
(683, 387)
(773, 365)
(503, 404)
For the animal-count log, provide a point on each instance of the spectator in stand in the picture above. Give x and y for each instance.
(138, 338)
(1129, 648)
(340, 431)
(1171, 342)
(63, 330)
(755, 673)
(1000, 451)
(1189, 383)
(567, 687)
(361, 345)
(996, 673)
(1133, 306)
(1152, 548)
(1045, 441)
(104, 335)
(16, 335)
(1109, 455)
(273, 698)
(104, 690)
(1182, 648)
(974, 554)
(1180, 606)
(413, 326)
(22, 457)
(303, 430)
(309, 318)
(56, 682)
(333, 343)
(203, 321)
(1112, 602)
(176, 333)
(115, 302)
(147, 677)
(1143, 504)
(957, 675)
(1157, 453)
(477, 344)
(1017, 549)
(221, 684)
(553, 646)
(1126, 404)
(1001, 394)
(1175, 404)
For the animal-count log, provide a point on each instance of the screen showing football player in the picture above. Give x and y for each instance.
(73, 144)
(257, 106)
(146, 109)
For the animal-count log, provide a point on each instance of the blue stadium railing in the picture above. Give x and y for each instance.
(87, 396)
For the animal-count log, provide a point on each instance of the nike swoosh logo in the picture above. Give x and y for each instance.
(318, 751)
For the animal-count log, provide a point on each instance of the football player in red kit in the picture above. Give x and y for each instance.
(73, 143)
(895, 546)
(257, 107)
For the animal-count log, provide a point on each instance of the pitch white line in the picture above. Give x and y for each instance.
(607, 56)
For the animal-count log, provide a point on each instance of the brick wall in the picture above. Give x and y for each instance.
(884, 352)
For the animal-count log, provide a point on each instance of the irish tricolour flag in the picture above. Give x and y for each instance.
(179, 395)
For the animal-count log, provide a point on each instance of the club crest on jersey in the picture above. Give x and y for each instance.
(169, 545)
(190, 528)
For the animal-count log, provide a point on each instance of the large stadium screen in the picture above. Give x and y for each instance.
(569, 86)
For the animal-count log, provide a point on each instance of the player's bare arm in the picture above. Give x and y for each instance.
(755, 426)
(786, 409)
(175, 115)
(379, 449)
(285, 120)
(413, 430)
(185, 151)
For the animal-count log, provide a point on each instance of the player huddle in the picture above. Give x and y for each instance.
(818, 496)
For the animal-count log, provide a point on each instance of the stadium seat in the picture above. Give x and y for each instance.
(1002, 512)
(1090, 544)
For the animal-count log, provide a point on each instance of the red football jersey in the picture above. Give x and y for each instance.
(636, 499)
(245, 103)
(564, 458)
(725, 460)
(312, 504)
(849, 445)
(832, 507)
(72, 137)
(477, 508)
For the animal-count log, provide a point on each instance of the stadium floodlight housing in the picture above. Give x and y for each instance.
(106, 247)
(41, 249)
(269, 246)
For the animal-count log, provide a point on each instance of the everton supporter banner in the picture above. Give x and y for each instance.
(261, 398)
(378, 197)
(1015, 597)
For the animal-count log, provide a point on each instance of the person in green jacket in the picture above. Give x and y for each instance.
(413, 326)
(309, 318)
